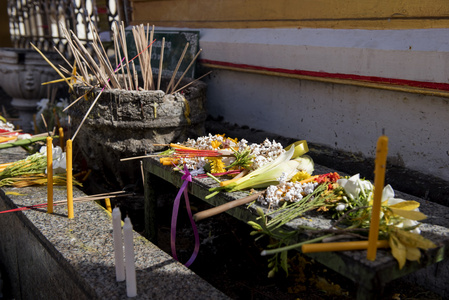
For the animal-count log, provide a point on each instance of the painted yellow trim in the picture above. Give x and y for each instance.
(383, 86)
(366, 14)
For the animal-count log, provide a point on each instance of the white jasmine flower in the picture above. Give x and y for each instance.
(341, 207)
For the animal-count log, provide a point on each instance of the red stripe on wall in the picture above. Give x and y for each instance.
(373, 79)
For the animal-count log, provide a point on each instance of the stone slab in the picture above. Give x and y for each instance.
(49, 256)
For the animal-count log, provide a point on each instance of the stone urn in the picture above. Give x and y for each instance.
(124, 124)
(22, 72)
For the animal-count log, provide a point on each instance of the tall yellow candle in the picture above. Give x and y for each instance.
(50, 175)
(61, 137)
(341, 246)
(379, 180)
(69, 179)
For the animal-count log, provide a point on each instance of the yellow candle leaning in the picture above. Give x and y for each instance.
(107, 203)
(340, 246)
(379, 180)
(49, 175)
(69, 179)
(61, 137)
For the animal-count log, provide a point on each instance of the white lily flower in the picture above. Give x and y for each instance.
(354, 186)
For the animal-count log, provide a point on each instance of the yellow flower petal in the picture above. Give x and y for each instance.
(413, 254)
(411, 239)
(398, 250)
(409, 214)
(406, 205)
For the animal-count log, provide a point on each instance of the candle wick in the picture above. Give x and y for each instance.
(383, 131)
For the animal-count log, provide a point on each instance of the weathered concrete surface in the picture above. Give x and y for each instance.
(48, 256)
(127, 123)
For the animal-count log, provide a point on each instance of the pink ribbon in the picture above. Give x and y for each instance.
(187, 178)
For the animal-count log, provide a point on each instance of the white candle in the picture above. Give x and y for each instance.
(131, 290)
(118, 244)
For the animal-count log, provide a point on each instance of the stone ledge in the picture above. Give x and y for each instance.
(52, 257)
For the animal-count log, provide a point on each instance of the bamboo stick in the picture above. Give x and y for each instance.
(88, 112)
(177, 67)
(199, 78)
(117, 47)
(122, 39)
(160, 64)
(187, 69)
(150, 71)
(78, 99)
(52, 65)
(224, 207)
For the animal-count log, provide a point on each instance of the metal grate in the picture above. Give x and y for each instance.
(37, 21)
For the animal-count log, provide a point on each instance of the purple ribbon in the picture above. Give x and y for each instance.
(187, 178)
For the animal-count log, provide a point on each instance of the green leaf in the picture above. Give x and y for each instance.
(284, 261)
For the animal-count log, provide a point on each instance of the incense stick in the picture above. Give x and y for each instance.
(199, 78)
(143, 156)
(77, 200)
(52, 65)
(177, 67)
(78, 99)
(160, 64)
(185, 72)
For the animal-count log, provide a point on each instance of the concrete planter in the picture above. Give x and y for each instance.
(127, 123)
(22, 72)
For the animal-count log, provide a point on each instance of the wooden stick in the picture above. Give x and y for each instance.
(92, 64)
(199, 78)
(160, 64)
(150, 71)
(143, 156)
(62, 202)
(117, 46)
(9, 132)
(78, 99)
(224, 207)
(76, 55)
(60, 54)
(187, 69)
(88, 112)
(53, 66)
(177, 67)
(108, 65)
(122, 38)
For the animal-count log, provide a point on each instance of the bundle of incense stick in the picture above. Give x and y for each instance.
(93, 68)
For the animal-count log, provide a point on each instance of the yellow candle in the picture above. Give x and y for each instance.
(49, 175)
(379, 180)
(107, 203)
(69, 179)
(340, 246)
(61, 137)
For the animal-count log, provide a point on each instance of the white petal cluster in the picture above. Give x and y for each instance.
(286, 192)
(59, 159)
(262, 153)
(265, 152)
(205, 142)
(6, 126)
